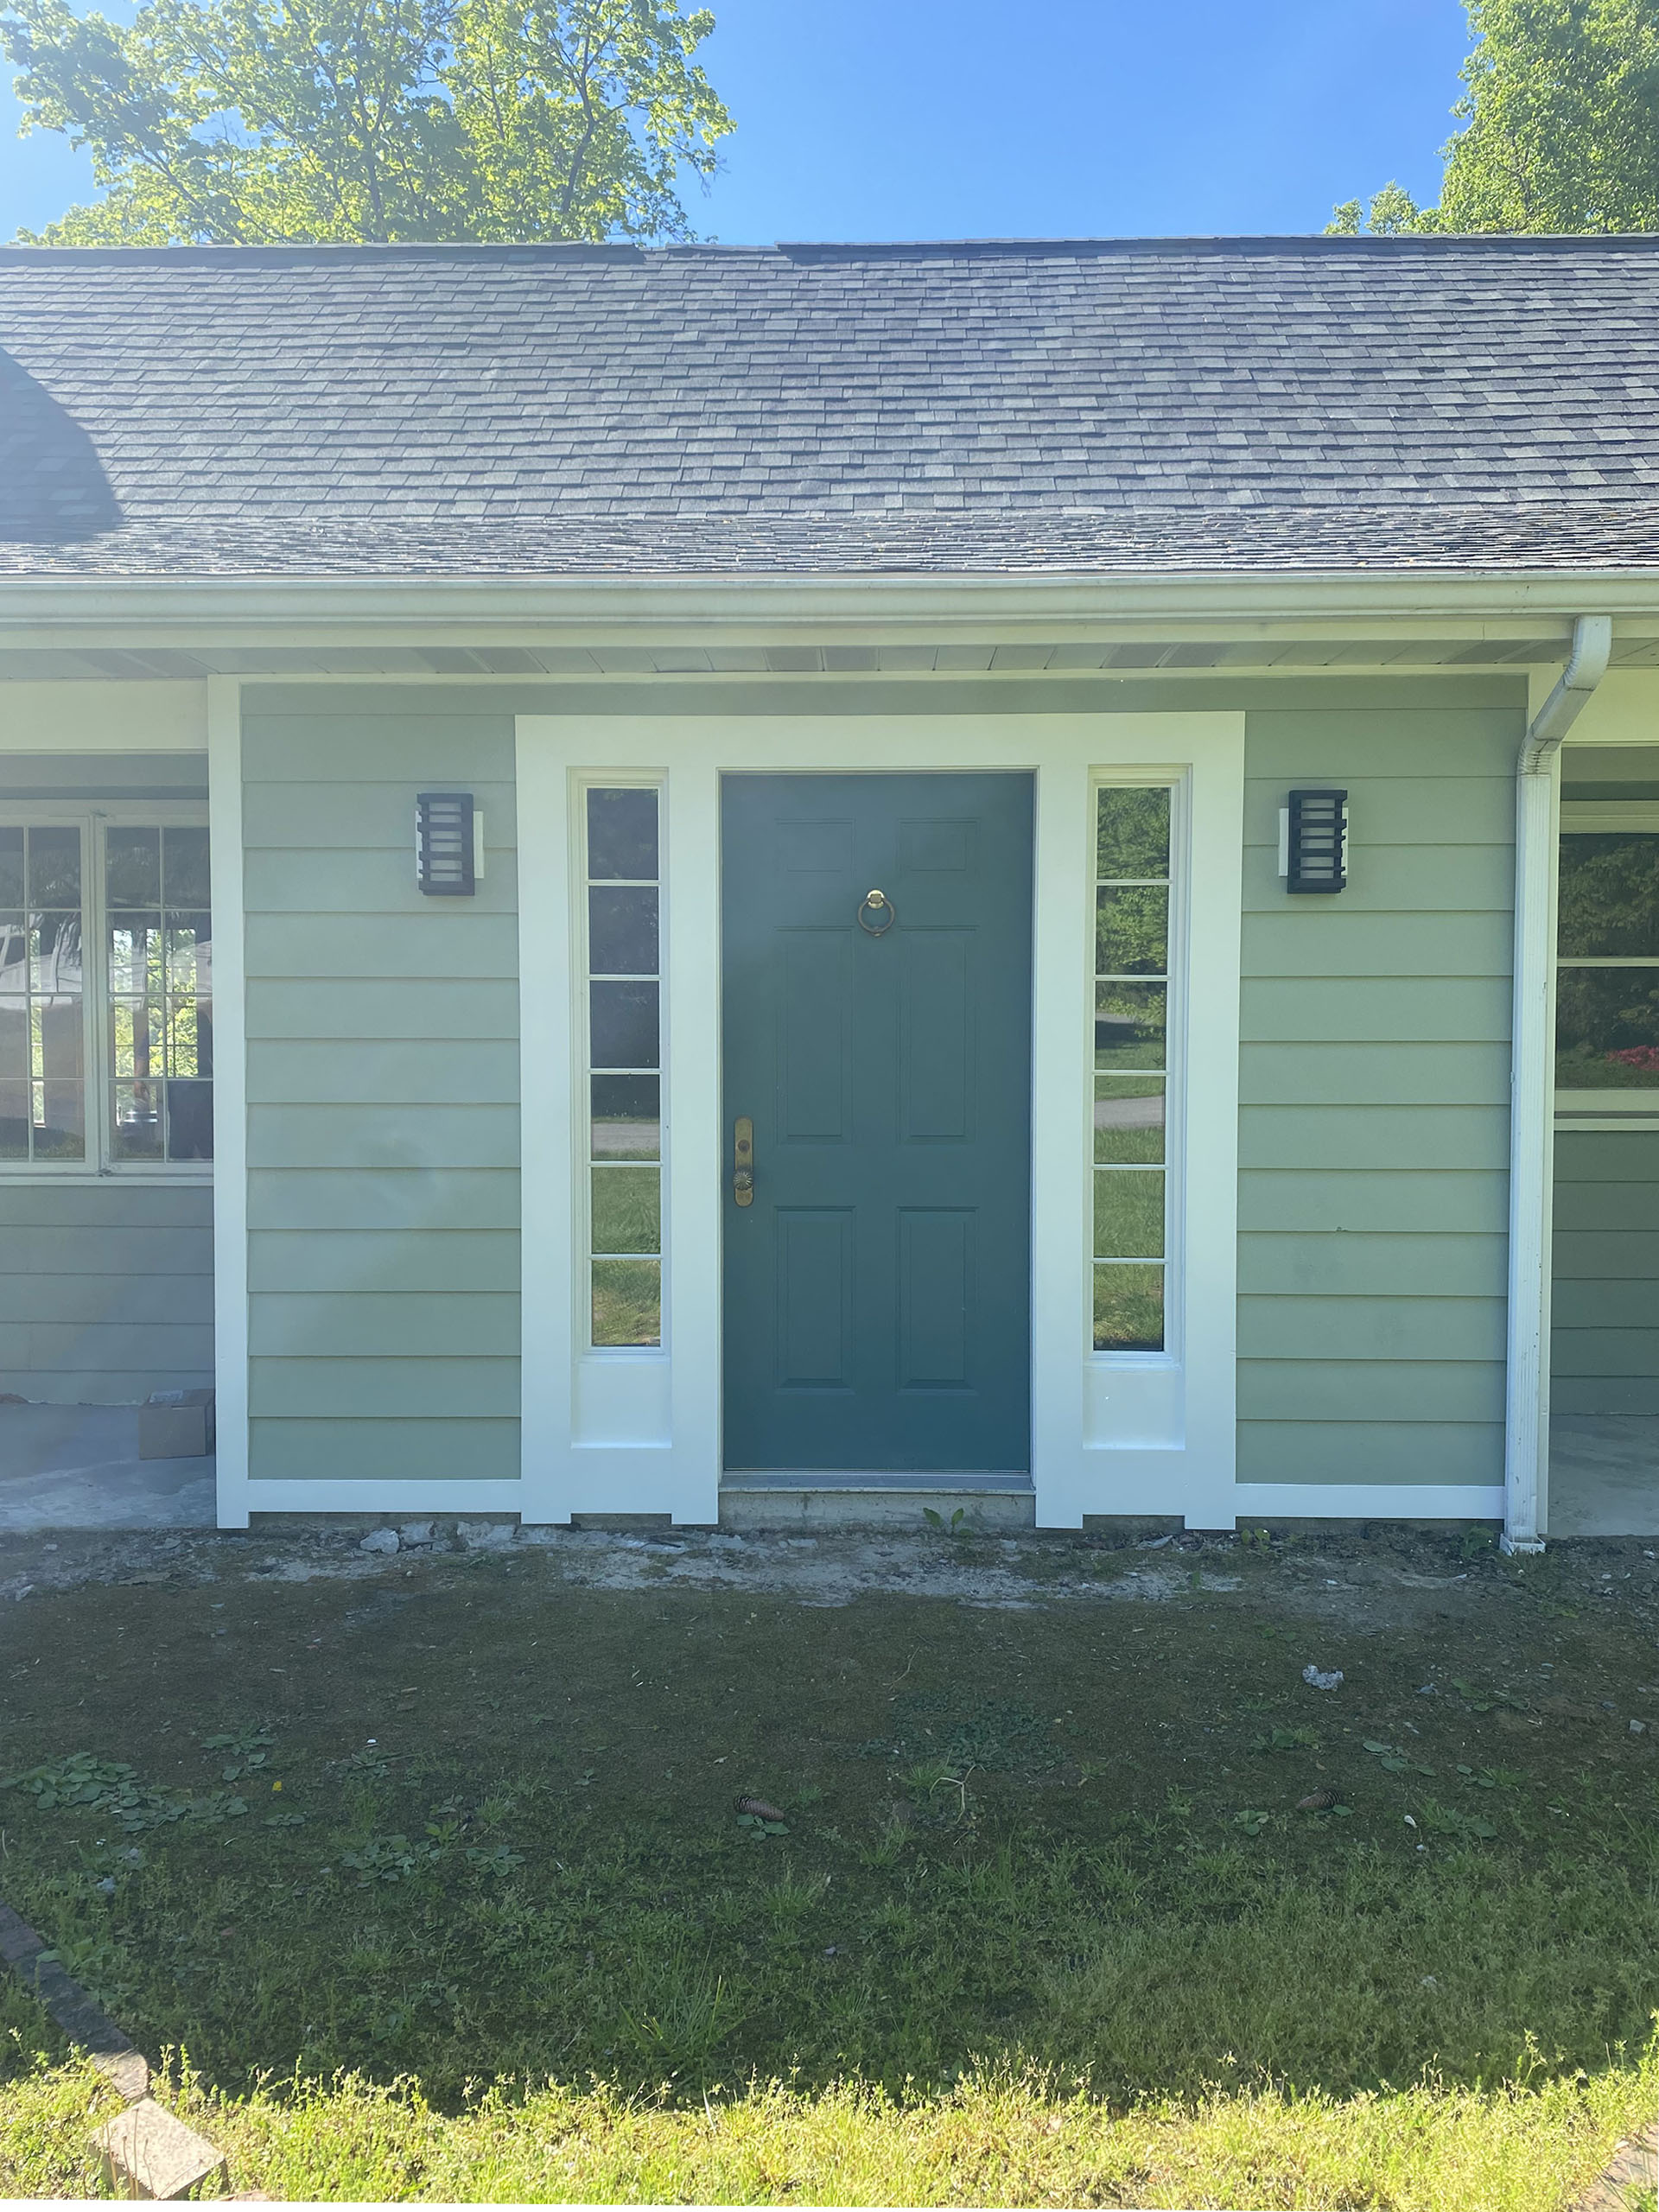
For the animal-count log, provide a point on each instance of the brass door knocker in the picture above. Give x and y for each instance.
(875, 903)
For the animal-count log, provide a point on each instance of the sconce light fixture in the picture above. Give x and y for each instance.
(1313, 842)
(448, 836)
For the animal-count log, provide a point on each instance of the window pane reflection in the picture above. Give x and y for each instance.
(624, 1193)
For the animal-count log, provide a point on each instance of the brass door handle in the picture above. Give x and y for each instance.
(743, 1162)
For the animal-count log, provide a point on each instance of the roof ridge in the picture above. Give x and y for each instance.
(1313, 244)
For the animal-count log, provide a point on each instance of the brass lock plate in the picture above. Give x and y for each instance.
(743, 1162)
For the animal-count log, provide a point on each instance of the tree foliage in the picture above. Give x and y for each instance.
(256, 121)
(1561, 110)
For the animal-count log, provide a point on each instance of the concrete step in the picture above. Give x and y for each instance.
(993, 1504)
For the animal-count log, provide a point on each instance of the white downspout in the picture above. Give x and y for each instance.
(1532, 1118)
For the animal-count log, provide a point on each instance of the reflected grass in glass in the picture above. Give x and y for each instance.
(1128, 1309)
(1131, 1025)
(1129, 1214)
(1129, 1119)
(626, 1209)
(627, 1302)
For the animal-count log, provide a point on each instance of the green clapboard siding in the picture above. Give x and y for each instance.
(107, 1290)
(383, 1100)
(1604, 1337)
(1374, 1126)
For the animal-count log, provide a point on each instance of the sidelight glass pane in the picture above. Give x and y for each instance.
(626, 1209)
(626, 1116)
(1610, 896)
(625, 1198)
(13, 897)
(1131, 1020)
(1130, 1117)
(1128, 1213)
(1132, 929)
(1607, 1028)
(1128, 1309)
(622, 931)
(622, 835)
(622, 1025)
(1132, 833)
(628, 1307)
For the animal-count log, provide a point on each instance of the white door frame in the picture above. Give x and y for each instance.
(639, 1432)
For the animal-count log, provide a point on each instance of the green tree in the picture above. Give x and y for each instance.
(256, 121)
(1561, 115)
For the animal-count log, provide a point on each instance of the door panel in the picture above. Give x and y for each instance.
(938, 1294)
(877, 1302)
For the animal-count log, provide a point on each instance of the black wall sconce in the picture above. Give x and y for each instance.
(449, 841)
(1313, 842)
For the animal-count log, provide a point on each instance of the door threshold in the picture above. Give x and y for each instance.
(830, 1499)
(836, 1478)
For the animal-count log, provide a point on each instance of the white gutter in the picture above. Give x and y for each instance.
(40, 611)
(1532, 1118)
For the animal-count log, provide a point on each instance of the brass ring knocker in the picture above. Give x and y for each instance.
(877, 904)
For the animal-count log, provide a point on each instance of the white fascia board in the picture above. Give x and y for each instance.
(41, 612)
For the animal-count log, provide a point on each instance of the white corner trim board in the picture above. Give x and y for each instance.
(1532, 1099)
(634, 1432)
(229, 1101)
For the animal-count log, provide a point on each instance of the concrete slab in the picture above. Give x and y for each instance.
(801, 1501)
(1603, 1475)
(77, 1467)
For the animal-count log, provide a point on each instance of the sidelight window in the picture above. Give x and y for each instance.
(1131, 1032)
(625, 1120)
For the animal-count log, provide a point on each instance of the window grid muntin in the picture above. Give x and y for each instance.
(1106, 1266)
(647, 1261)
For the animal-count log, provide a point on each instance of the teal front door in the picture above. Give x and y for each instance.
(877, 1012)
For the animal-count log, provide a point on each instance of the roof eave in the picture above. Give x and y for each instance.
(53, 611)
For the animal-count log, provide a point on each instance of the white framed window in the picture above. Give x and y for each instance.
(1137, 972)
(106, 1040)
(621, 829)
(1607, 965)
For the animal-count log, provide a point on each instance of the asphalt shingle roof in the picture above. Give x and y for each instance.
(1251, 403)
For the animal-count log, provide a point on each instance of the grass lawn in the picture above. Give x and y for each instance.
(432, 1869)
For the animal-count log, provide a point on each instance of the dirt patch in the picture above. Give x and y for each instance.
(469, 1808)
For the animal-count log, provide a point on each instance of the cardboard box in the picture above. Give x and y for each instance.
(176, 1425)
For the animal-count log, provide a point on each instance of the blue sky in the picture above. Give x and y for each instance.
(957, 119)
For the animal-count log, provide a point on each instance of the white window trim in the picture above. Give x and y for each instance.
(603, 1434)
(1599, 1110)
(92, 817)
